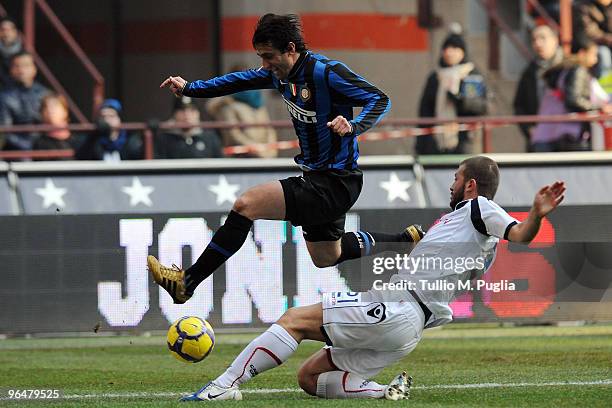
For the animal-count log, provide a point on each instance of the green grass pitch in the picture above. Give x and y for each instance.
(459, 365)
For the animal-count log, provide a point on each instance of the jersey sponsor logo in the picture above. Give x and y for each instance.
(301, 114)
(378, 312)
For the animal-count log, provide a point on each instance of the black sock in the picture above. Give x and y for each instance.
(364, 243)
(351, 245)
(226, 242)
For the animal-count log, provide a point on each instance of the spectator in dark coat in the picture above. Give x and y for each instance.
(20, 104)
(531, 86)
(108, 142)
(593, 18)
(10, 45)
(453, 90)
(191, 143)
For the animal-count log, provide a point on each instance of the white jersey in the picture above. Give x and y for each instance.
(459, 248)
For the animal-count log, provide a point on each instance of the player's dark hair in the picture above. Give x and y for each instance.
(486, 173)
(278, 31)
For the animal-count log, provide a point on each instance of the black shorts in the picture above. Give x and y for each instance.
(319, 201)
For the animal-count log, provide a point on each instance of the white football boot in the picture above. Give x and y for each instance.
(399, 387)
(212, 392)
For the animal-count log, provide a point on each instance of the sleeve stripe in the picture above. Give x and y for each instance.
(372, 113)
(512, 224)
(477, 218)
(229, 84)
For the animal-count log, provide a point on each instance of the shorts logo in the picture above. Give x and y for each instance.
(305, 93)
(378, 312)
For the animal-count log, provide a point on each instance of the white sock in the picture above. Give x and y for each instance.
(342, 384)
(269, 350)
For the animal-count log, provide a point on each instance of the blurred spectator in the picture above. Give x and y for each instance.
(20, 104)
(10, 45)
(593, 18)
(570, 90)
(244, 107)
(531, 86)
(191, 143)
(108, 142)
(453, 90)
(54, 111)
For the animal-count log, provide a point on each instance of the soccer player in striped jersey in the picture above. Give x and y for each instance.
(320, 95)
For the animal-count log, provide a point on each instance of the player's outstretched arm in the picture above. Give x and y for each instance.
(222, 85)
(546, 200)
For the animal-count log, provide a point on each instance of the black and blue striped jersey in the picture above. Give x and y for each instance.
(316, 91)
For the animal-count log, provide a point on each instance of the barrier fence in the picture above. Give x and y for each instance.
(386, 130)
(69, 274)
(76, 254)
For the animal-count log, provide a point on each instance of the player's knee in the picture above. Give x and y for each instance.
(307, 381)
(292, 322)
(242, 205)
(286, 320)
(323, 260)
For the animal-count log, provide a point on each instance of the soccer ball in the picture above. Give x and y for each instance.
(191, 339)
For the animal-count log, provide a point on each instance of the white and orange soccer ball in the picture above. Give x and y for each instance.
(191, 339)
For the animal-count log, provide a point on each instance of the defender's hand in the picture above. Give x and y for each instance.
(176, 84)
(548, 198)
(340, 125)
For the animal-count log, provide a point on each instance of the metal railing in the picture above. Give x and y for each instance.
(544, 15)
(497, 23)
(388, 129)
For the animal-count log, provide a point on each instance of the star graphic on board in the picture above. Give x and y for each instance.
(224, 191)
(52, 194)
(138, 193)
(396, 188)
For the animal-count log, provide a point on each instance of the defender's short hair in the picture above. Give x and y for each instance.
(486, 173)
(279, 31)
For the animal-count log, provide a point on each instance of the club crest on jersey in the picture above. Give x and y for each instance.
(305, 93)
